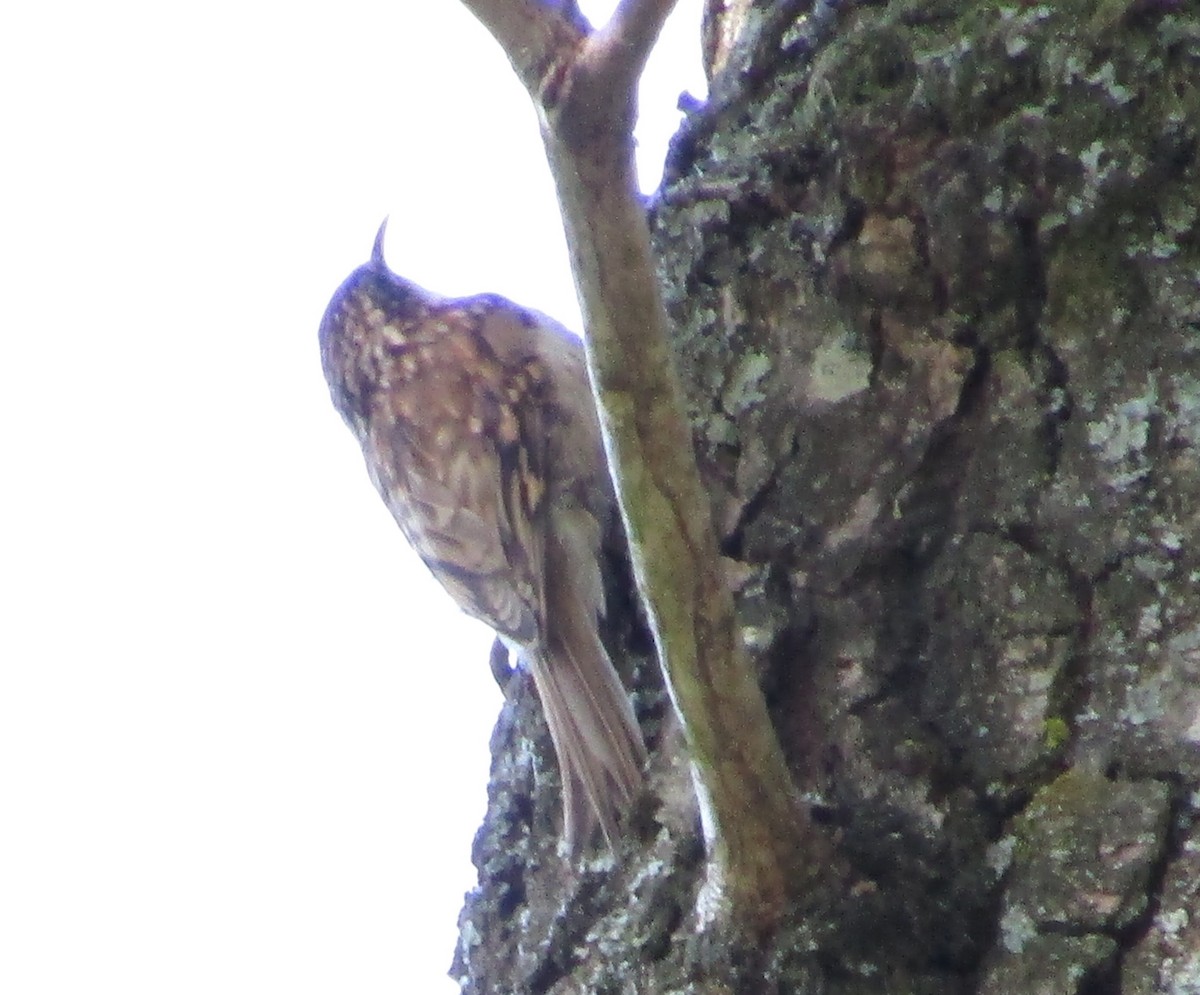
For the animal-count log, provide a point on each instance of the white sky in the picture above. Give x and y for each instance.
(243, 736)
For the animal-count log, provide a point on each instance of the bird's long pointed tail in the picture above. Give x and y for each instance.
(596, 736)
(595, 732)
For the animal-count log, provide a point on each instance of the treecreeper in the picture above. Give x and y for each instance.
(480, 432)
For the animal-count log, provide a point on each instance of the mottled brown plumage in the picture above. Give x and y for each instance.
(479, 430)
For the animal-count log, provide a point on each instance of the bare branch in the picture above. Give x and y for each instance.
(535, 35)
(617, 52)
(760, 842)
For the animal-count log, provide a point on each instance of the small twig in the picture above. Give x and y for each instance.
(584, 85)
(621, 47)
(532, 33)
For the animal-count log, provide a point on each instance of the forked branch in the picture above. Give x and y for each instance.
(584, 84)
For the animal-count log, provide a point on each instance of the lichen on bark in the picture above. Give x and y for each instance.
(934, 279)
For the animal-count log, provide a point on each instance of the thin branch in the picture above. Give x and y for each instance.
(617, 52)
(533, 34)
(762, 850)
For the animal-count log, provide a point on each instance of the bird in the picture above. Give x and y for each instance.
(479, 430)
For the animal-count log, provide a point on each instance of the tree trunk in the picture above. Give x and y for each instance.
(934, 272)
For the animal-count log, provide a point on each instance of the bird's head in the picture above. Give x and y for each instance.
(367, 315)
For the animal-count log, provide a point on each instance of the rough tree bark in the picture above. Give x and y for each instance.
(934, 271)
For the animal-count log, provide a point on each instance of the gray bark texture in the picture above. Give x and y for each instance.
(934, 275)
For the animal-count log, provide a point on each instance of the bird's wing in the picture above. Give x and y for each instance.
(458, 447)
